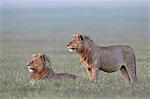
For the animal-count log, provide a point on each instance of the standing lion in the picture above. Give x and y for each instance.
(108, 59)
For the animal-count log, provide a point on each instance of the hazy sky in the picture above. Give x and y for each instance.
(69, 0)
(12, 3)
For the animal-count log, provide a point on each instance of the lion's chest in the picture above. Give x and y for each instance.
(36, 76)
(40, 75)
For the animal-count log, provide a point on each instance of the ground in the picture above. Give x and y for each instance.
(16, 50)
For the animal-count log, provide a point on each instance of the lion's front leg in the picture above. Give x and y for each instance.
(89, 72)
(95, 72)
(92, 73)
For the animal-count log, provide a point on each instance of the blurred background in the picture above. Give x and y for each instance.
(61, 17)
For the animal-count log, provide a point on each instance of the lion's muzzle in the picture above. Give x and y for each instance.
(31, 70)
(71, 49)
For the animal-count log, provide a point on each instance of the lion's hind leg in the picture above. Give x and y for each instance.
(128, 74)
(132, 73)
(125, 73)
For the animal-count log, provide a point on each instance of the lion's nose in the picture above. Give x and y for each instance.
(28, 64)
(67, 44)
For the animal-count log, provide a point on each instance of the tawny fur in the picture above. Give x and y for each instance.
(108, 59)
(42, 69)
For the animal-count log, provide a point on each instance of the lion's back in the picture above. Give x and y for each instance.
(66, 76)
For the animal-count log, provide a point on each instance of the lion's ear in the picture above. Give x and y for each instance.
(79, 36)
(41, 56)
(74, 35)
(46, 59)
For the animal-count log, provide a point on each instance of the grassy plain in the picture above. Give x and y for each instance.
(16, 50)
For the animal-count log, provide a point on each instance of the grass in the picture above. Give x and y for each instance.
(14, 76)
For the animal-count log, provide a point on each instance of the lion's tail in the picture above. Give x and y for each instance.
(135, 73)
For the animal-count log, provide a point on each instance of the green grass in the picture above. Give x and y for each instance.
(14, 76)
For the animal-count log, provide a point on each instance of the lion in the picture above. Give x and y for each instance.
(108, 59)
(40, 68)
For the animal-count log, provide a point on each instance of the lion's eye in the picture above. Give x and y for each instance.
(31, 62)
(73, 40)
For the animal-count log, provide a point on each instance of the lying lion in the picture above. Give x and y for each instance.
(40, 68)
(108, 59)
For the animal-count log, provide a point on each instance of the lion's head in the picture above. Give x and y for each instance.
(78, 42)
(75, 43)
(37, 63)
